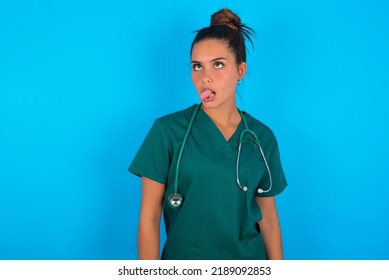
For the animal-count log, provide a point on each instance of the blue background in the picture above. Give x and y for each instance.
(82, 81)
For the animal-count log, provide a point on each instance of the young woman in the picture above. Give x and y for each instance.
(212, 169)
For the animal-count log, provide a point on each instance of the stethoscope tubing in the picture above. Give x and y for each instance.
(256, 141)
(175, 189)
(175, 199)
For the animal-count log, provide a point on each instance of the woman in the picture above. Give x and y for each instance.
(218, 202)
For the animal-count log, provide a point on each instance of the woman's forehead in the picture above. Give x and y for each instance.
(210, 49)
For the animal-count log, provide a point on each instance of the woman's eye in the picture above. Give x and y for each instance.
(196, 67)
(219, 65)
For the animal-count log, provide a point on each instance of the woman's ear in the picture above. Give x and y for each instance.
(242, 70)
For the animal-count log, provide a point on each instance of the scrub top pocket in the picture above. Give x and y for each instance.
(181, 248)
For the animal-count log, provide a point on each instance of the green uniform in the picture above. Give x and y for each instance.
(217, 220)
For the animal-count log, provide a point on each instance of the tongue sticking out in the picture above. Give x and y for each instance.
(206, 94)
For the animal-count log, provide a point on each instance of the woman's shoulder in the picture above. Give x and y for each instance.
(264, 132)
(256, 125)
(178, 114)
(176, 119)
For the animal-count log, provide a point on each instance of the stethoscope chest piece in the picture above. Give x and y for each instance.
(175, 200)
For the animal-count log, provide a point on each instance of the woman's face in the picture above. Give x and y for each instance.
(215, 73)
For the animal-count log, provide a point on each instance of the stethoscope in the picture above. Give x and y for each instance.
(176, 199)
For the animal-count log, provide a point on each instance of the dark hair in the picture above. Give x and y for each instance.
(226, 26)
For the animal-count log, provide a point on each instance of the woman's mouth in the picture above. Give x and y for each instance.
(207, 95)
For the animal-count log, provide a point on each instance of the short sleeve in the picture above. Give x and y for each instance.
(153, 157)
(279, 182)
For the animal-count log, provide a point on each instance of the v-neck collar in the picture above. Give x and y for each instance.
(228, 147)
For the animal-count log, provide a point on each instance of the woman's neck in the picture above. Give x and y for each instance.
(226, 119)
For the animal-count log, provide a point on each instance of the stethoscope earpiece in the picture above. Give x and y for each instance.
(258, 144)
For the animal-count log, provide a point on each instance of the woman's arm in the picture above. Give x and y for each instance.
(270, 228)
(149, 220)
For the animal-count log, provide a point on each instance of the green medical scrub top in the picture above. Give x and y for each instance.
(217, 220)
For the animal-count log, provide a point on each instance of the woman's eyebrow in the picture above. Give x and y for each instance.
(218, 58)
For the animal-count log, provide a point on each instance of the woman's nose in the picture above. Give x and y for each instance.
(206, 77)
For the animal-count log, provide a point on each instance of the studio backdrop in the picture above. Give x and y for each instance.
(82, 81)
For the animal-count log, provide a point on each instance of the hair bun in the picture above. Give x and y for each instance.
(226, 17)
